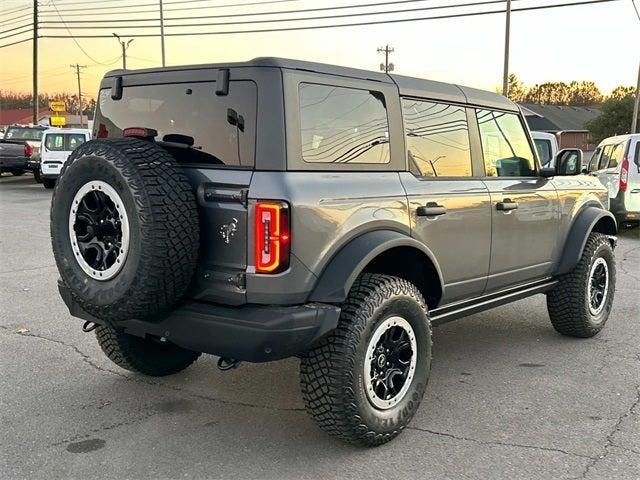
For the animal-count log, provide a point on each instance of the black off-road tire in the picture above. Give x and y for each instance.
(49, 183)
(332, 373)
(163, 228)
(568, 301)
(143, 355)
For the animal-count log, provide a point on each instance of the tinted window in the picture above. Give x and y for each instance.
(343, 125)
(54, 142)
(506, 148)
(616, 155)
(24, 133)
(595, 159)
(223, 128)
(544, 150)
(636, 159)
(74, 140)
(606, 156)
(437, 138)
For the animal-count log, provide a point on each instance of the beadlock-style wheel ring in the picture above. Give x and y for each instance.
(390, 362)
(99, 230)
(598, 286)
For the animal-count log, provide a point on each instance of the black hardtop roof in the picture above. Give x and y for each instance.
(408, 86)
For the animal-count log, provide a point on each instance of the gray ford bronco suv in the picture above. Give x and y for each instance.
(278, 208)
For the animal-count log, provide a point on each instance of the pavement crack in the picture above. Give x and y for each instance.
(87, 359)
(609, 443)
(498, 443)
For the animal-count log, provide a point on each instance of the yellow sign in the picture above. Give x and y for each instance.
(57, 121)
(57, 106)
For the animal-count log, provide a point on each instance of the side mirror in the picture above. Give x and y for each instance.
(569, 161)
(548, 172)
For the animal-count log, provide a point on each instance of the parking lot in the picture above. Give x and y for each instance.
(508, 396)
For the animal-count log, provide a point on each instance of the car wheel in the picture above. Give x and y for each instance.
(36, 175)
(579, 305)
(17, 173)
(48, 183)
(124, 229)
(143, 355)
(364, 382)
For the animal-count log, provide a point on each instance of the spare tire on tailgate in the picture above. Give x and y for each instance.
(124, 229)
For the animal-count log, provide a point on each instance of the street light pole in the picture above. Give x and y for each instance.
(162, 33)
(636, 107)
(125, 46)
(77, 68)
(507, 34)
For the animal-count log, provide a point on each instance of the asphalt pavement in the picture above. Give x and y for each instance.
(508, 396)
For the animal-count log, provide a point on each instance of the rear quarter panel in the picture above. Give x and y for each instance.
(328, 209)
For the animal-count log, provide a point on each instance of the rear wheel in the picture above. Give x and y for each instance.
(580, 304)
(48, 183)
(36, 175)
(17, 172)
(364, 382)
(143, 355)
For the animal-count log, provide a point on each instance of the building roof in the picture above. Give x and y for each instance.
(407, 85)
(557, 118)
(23, 116)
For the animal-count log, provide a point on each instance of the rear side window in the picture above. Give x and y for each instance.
(606, 156)
(54, 142)
(343, 125)
(437, 138)
(74, 140)
(221, 128)
(544, 150)
(505, 146)
(616, 155)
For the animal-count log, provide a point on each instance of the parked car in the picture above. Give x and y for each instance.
(546, 146)
(57, 145)
(616, 162)
(278, 208)
(17, 145)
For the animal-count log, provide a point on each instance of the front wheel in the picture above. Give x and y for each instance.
(364, 382)
(48, 183)
(143, 355)
(580, 304)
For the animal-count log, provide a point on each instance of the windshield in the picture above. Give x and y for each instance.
(544, 150)
(24, 133)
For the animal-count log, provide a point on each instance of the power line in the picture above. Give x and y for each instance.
(301, 19)
(352, 24)
(28, 30)
(15, 43)
(633, 2)
(10, 20)
(19, 9)
(17, 28)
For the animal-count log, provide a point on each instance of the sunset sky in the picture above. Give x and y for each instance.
(598, 42)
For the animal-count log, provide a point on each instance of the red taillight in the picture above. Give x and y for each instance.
(140, 132)
(272, 237)
(624, 175)
(28, 150)
(102, 131)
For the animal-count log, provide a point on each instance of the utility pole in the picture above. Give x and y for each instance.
(386, 66)
(507, 34)
(77, 68)
(162, 34)
(635, 128)
(125, 46)
(35, 63)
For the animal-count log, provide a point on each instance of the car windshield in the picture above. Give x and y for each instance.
(544, 150)
(24, 133)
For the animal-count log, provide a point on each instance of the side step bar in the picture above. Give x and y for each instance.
(453, 311)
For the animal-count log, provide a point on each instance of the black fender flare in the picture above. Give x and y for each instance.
(582, 226)
(335, 281)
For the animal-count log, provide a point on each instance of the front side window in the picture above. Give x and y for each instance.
(544, 150)
(437, 137)
(343, 125)
(54, 142)
(506, 148)
(74, 140)
(595, 159)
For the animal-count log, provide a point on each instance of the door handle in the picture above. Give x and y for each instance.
(431, 209)
(506, 205)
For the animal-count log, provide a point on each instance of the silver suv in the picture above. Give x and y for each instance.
(279, 208)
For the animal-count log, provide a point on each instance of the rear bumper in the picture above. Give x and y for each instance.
(254, 333)
(620, 209)
(11, 163)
